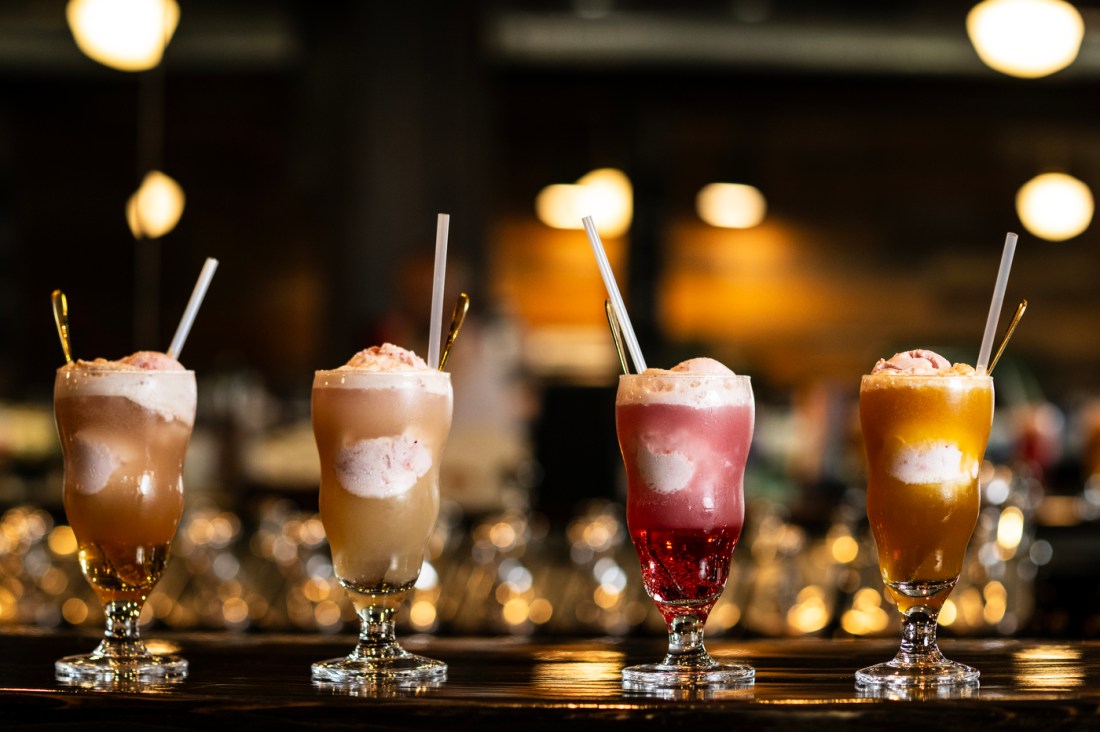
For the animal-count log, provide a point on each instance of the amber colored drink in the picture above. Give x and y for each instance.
(380, 437)
(124, 435)
(925, 437)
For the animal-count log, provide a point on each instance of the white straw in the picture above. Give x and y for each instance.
(998, 301)
(192, 308)
(613, 293)
(443, 222)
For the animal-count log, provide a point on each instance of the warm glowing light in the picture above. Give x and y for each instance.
(129, 35)
(605, 194)
(845, 549)
(611, 199)
(422, 614)
(1010, 528)
(731, 205)
(327, 614)
(996, 602)
(809, 613)
(540, 611)
(74, 610)
(62, 541)
(156, 207)
(235, 611)
(948, 614)
(515, 611)
(1055, 206)
(1026, 38)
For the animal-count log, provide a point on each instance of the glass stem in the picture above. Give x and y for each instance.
(377, 634)
(918, 637)
(685, 643)
(121, 638)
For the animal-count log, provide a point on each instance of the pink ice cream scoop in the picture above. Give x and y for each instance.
(386, 357)
(919, 361)
(704, 366)
(152, 361)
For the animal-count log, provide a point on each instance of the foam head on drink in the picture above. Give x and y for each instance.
(685, 435)
(925, 424)
(380, 422)
(124, 427)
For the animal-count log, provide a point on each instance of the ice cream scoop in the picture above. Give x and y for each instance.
(921, 362)
(386, 357)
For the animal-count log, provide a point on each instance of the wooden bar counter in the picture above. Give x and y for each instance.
(498, 683)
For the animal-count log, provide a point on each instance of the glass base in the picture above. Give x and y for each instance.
(405, 668)
(665, 676)
(94, 668)
(898, 673)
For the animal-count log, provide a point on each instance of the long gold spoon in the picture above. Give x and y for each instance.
(1008, 334)
(457, 319)
(61, 319)
(616, 334)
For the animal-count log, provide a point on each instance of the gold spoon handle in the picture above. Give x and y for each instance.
(616, 334)
(457, 319)
(61, 319)
(1008, 333)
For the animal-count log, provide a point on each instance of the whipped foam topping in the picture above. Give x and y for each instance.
(385, 367)
(152, 380)
(932, 463)
(386, 357)
(697, 382)
(921, 362)
(383, 467)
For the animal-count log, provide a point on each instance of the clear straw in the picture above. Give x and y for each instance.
(997, 303)
(443, 222)
(192, 308)
(613, 293)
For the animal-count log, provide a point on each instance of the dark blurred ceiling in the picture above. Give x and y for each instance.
(323, 135)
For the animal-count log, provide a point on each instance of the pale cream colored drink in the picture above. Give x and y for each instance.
(381, 423)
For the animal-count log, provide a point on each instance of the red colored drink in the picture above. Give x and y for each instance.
(684, 439)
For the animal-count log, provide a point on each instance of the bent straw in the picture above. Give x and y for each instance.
(613, 293)
(192, 309)
(442, 224)
(998, 301)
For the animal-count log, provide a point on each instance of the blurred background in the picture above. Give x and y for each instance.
(793, 189)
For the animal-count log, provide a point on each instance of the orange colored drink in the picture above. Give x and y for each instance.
(925, 437)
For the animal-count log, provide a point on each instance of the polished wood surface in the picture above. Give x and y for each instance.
(504, 683)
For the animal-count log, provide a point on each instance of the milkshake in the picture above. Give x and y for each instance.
(381, 422)
(684, 434)
(925, 424)
(124, 427)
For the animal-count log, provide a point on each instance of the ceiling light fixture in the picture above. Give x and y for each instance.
(1026, 38)
(129, 35)
(731, 205)
(1055, 206)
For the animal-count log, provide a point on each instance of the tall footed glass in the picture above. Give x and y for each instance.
(380, 436)
(925, 437)
(685, 438)
(124, 435)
